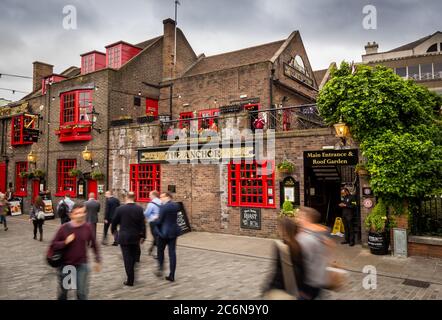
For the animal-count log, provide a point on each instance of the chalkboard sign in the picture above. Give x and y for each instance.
(182, 219)
(251, 218)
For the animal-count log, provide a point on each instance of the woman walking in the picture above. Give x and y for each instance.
(3, 210)
(38, 217)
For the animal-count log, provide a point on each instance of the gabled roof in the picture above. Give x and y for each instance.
(414, 44)
(71, 72)
(234, 59)
(147, 43)
(319, 75)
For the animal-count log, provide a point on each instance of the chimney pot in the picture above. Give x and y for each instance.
(371, 48)
(41, 70)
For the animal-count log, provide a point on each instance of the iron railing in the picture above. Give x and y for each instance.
(428, 218)
(279, 119)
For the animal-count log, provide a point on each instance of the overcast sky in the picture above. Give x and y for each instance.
(332, 30)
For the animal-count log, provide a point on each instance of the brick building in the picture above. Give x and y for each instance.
(131, 104)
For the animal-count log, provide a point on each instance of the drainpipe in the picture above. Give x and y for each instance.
(108, 136)
(48, 111)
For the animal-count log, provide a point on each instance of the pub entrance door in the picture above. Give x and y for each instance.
(92, 187)
(325, 172)
(2, 177)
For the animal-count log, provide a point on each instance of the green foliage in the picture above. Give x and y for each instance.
(287, 206)
(288, 210)
(286, 166)
(398, 125)
(75, 172)
(97, 175)
(376, 221)
(39, 173)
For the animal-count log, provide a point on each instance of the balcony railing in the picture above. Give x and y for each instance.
(283, 119)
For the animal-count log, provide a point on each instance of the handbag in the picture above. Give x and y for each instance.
(40, 215)
(55, 257)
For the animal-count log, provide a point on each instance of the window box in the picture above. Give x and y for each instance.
(121, 122)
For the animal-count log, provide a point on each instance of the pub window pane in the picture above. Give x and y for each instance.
(438, 70)
(401, 72)
(413, 72)
(426, 71)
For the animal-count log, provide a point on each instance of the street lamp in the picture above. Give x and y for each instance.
(87, 155)
(342, 131)
(32, 158)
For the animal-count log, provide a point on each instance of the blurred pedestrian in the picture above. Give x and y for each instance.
(37, 216)
(112, 203)
(167, 231)
(286, 277)
(348, 205)
(152, 215)
(4, 207)
(64, 208)
(92, 209)
(132, 233)
(315, 246)
(72, 239)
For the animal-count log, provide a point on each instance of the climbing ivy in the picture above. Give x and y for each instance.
(398, 125)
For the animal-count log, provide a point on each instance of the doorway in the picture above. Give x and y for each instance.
(92, 186)
(35, 189)
(2, 177)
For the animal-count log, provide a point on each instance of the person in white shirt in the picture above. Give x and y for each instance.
(152, 214)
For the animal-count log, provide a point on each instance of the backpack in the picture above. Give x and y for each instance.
(63, 210)
(40, 215)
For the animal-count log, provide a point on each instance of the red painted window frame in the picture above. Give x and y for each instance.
(74, 117)
(212, 114)
(64, 180)
(18, 131)
(21, 183)
(114, 56)
(88, 63)
(185, 118)
(147, 175)
(151, 107)
(239, 174)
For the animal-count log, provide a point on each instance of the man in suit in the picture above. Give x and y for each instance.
(92, 208)
(132, 233)
(167, 231)
(348, 206)
(112, 204)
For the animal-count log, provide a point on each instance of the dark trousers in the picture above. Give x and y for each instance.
(73, 277)
(3, 220)
(347, 219)
(171, 244)
(38, 224)
(131, 253)
(106, 230)
(154, 236)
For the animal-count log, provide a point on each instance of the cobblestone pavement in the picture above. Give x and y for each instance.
(201, 274)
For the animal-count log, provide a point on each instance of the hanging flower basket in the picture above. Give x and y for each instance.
(286, 167)
(97, 175)
(75, 172)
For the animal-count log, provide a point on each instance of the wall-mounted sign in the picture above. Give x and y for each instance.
(250, 218)
(367, 192)
(81, 188)
(205, 153)
(101, 188)
(182, 219)
(330, 157)
(290, 190)
(237, 105)
(400, 242)
(295, 74)
(368, 203)
(6, 112)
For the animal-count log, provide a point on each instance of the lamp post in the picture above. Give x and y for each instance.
(342, 131)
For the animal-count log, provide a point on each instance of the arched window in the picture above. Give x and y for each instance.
(298, 64)
(432, 48)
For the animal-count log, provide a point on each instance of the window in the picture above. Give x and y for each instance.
(209, 119)
(114, 57)
(438, 71)
(251, 185)
(183, 117)
(413, 72)
(401, 72)
(87, 64)
(18, 132)
(66, 183)
(426, 71)
(21, 184)
(75, 106)
(432, 48)
(144, 178)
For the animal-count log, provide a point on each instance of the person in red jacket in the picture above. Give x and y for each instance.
(72, 239)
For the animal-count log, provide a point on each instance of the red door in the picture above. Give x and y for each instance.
(2, 177)
(92, 187)
(35, 189)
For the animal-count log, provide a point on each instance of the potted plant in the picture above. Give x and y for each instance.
(75, 172)
(24, 174)
(361, 170)
(97, 175)
(288, 210)
(286, 167)
(38, 174)
(376, 224)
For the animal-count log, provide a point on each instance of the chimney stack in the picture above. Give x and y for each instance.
(40, 71)
(168, 49)
(371, 48)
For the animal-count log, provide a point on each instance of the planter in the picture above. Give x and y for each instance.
(285, 171)
(378, 242)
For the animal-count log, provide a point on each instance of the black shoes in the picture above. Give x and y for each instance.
(169, 278)
(128, 284)
(344, 242)
(352, 244)
(115, 244)
(35, 238)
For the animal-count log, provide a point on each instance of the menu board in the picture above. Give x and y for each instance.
(182, 219)
(251, 218)
(49, 209)
(15, 208)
